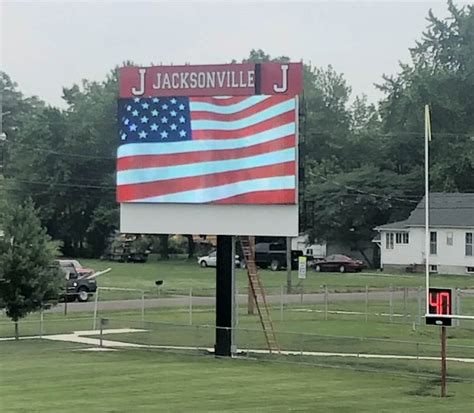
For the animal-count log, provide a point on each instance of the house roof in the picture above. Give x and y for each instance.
(446, 209)
(394, 225)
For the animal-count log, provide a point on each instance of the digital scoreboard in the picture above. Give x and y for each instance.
(439, 303)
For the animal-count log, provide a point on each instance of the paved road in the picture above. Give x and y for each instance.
(183, 301)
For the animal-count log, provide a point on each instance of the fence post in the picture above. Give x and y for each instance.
(419, 305)
(366, 303)
(458, 305)
(390, 300)
(101, 327)
(405, 297)
(191, 306)
(326, 299)
(96, 300)
(281, 302)
(143, 308)
(301, 345)
(41, 323)
(417, 357)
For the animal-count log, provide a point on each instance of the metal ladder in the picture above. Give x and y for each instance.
(258, 292)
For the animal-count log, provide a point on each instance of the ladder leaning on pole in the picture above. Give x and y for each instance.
(258, 292)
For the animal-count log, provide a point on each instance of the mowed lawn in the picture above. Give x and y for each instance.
(181, 275)
(41, 376)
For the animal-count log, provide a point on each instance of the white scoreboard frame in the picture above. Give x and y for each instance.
(209, 219)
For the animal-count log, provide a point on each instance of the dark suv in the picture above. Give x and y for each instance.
(273, 255)
(80, 288)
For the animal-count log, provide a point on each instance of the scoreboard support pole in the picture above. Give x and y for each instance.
(225, 295)
(443, 361)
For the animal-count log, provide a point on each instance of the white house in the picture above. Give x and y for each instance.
(402, 244)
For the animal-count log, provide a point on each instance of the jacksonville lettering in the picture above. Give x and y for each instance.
(201, 80)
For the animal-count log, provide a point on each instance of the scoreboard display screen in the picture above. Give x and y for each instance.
(439, 303)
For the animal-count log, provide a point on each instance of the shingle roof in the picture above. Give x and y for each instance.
(446, 209)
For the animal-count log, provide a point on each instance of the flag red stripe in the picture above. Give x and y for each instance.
(219, 102)
(270, 123)
(252, 110)
(276, 196)
(149, 189)
(150, 161)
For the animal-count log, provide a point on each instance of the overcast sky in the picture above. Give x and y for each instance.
(47, 45)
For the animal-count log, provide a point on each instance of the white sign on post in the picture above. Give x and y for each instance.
(302, 268)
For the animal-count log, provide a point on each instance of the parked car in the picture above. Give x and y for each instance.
(82, 271)
(77, 286)
(211, 260)
(338, 262)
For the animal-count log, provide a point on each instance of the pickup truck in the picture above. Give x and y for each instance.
(273, 255)
(77, 286)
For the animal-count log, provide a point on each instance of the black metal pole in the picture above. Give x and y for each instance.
(443, 361)
(224, 302)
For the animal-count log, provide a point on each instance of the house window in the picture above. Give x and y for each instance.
(433, 243)
(433, 268)
(470, 269)
(469, 244)
(401, 238)
(389, 240)
(449, 238)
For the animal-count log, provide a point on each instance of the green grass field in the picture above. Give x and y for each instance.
(43, 376)
(39, 376)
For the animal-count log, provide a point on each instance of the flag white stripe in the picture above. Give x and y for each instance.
(142, 175)
(228, 109)
(225, 191)
(258, 117)
(160, 148)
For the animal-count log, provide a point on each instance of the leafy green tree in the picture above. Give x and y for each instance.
(441, 74)
(28, 279)
(65, 161)
(346, 206)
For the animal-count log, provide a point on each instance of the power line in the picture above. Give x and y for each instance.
(350, 188)
(59, 153)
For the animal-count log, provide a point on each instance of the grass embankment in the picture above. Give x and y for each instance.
(40, 377)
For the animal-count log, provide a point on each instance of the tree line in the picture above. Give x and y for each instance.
(361, 164)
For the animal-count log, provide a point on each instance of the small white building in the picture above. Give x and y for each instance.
(315, 250)
(402, 244)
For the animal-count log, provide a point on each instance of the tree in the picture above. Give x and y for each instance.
(191, 246)
(65, 161)
(441, 74)
(164, 246)
(348, 205)
(28, 279)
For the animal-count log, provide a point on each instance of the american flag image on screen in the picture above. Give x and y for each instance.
(222, 150)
